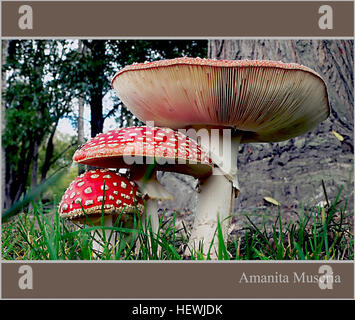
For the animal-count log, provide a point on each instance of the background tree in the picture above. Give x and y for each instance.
(4, 48)
(48, 80)
(101, 61)
(291, 171)
(36, 98)
(81, 132)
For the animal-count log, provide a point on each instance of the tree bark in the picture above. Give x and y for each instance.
(96, 75)
(81, 138)
(38, 134)
(4, 53)
(34, 168)
(292, 171)
(49, 154)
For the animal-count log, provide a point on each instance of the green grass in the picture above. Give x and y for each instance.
(321, 233)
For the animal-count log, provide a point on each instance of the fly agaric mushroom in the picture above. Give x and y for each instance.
(137, 147)
(259, 101)
(101, 193)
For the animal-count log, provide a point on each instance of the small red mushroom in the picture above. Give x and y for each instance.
(101, 192)
(131, 147)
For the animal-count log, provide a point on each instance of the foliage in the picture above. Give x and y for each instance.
(64, 147)
(36, 97)
(45, 78)
(93, 67)
(326, 233)
(322, 233)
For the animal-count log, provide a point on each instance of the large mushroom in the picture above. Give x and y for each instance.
(99, 198)
(242, 100)
(145, 148)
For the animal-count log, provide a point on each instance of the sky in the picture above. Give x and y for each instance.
(64, 125)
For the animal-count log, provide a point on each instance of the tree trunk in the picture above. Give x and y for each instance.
(49, 154)
(5, 45)
(34, 168)
(292, 171)
(38, 135)
(81, 138)
(16, 181)
(97, 78)
(97, 123)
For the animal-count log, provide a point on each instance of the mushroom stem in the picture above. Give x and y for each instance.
(150, 223)
(153, 188)
(155, 191)
(216, 198)
(223, 151)
(101, 237)
(215, 203)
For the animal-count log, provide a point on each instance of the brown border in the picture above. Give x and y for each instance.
(177, 19)
(156, 280)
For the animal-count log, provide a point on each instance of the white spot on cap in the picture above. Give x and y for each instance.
(115, 184)
(123, 185)
(107, 176)
(118, 202)
(125, 196)
(72, 195)
(65, 207)
(94, 176)
(88, 190)
(106, 187)
(81, 183)
(89, 202)
(78, 200)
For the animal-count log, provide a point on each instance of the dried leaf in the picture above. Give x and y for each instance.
(272, 200)
(338, 136)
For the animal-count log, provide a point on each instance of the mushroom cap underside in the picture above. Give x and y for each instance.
(266, 101)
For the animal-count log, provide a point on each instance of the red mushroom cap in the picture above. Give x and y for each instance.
(87, 191)
(264, 100)
(178, 152)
